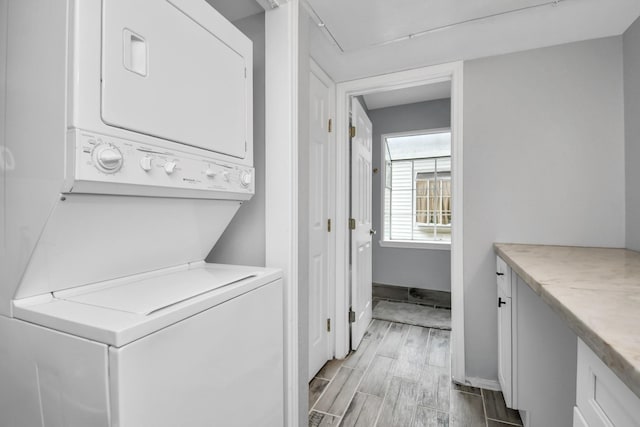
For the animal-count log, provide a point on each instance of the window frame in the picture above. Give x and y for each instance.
(405, 244)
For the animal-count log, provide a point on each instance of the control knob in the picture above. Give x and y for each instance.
(210, 173)
(145, 163)
(245, 178)
(107, 158)
(169, 167)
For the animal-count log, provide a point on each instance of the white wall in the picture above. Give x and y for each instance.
(243, 242)
(543, 163)
(419, 268)
(4, 4)
(632, 133)
(304, 63)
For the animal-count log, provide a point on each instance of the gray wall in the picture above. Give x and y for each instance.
(243, 242)
(631, 48)
(543, 163)
(419, 268)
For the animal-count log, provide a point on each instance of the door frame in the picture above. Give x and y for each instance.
(281, 186)
(403, 79)
(315, 69)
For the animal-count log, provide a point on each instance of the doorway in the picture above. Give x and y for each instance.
(451, 73)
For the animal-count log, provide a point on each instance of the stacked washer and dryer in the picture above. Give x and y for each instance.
(126, 151)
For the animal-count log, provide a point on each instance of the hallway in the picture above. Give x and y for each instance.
(400, 376)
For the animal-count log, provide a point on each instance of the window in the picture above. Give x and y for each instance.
(417, 188)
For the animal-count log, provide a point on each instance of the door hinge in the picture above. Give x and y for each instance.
(352, 316)
(328, 325)
(352, 223)
(352, 131)
(245, 72)
(329, 126)
(329, 225)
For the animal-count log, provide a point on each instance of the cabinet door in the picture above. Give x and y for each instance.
(504, 345)
(601, 398)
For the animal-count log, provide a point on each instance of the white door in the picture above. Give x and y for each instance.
(361, 145)
(176, 70)
(318, 225)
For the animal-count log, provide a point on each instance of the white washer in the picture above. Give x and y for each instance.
(194, 346)
(130, 156)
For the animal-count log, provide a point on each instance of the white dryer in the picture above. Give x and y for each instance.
(129, 128)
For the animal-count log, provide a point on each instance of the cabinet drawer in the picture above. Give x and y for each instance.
(601, 397)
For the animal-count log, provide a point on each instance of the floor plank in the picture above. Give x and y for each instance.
(340, 391)
(330, 369)
(413, 353)
(466, 410)
(376, 380)
(392, 342)
(316, 419)
(496, 408)
(434, 388)
(428, 417)
(494, 423)
(377, 329)
(439, 348)
(316, 387)
(363, 411)
(361, 358)
(399, 404)
(465, 388)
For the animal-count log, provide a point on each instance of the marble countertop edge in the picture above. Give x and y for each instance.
(625, 369)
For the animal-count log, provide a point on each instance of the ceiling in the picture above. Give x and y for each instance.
(351, 39)
(358, 24)
(360, 38)
(409, 95)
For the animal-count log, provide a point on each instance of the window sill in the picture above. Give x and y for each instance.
(409, 244)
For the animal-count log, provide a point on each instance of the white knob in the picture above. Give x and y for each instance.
(169, 167)
(245, 178)
(145, 163)
(225, 176)
(108, 158)
(210, 173)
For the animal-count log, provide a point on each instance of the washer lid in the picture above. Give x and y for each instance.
(148, 296)
(121, 311)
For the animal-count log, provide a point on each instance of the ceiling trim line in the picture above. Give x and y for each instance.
(322, 25)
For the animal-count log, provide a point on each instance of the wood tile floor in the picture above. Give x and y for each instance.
(400, 376)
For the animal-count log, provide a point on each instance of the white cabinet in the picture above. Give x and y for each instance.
(505, 359)
(536, 354)
(602, 399)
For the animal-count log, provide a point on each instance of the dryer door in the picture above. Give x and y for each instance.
(176, 70)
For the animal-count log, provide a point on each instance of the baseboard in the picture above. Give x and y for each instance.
(483, 383)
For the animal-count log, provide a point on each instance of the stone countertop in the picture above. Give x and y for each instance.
(595, 290)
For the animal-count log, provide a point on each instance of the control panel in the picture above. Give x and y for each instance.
(106, 159)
